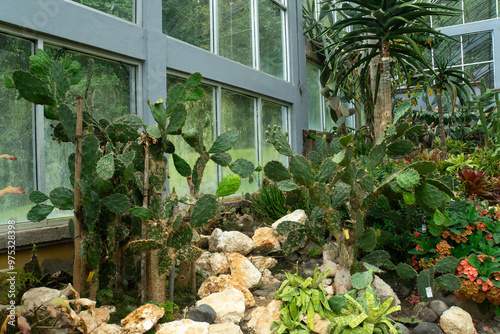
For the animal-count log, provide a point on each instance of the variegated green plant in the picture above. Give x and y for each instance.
(365, 315)
(302, 298)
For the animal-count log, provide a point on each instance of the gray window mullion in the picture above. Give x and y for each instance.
(218, 123)
(214, 22)
(286, 45)
(255, 33)
(495, 40)
(39, 138)
(259, 144)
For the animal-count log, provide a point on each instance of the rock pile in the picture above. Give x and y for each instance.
(239, 290)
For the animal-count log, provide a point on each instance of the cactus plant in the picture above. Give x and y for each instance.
(228, 185)
(426, 283)
(341, 187)
(242, 167)
(106, 166)
(224, 142)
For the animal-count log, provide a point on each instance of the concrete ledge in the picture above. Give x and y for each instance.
(39, 236)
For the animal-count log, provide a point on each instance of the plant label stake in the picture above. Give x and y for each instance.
(428, 291)
(424, 228)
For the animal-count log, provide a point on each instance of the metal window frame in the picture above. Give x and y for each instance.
(143, 45)
(257, 109)
(39, 42)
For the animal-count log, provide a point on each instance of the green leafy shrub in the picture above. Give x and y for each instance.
(301, 298)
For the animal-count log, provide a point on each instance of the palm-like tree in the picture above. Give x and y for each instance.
(444, 78)
(382, 33)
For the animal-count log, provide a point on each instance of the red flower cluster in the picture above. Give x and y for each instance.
(465, 268)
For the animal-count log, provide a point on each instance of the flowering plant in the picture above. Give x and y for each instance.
(472, 235)
(480, 278)
(470, 230)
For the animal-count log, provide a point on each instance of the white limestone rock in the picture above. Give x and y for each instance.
(265, 238)
(225, 328)
(184, 326)
(455, 320)
(298, 216)
(229, 242)
(244, 271)
(263, 317)
(142, 319)
(37, 296)
(228, 304)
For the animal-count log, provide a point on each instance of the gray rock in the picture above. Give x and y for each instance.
(260, 293)
(381, 288)
(403, 291)
(202, 313)
(402, 328)
(448, 301)
(428, 315)
(292, 257)
(311, 264)
(280, 277)
(427, 328)
(308, 268)
(438, 306)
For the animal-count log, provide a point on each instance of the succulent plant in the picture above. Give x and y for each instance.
(337, 186)
(426, 283)
(114, 159)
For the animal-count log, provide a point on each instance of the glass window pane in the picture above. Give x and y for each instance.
(477, 47)
(106, 87)
(238, 112)
(313, 98)
(271, 38)
(16, 133)
(445, 21)
(123, 9)
(188, 20)
(195, 110)
(449, 50)
(235, 32)
(272, 114)
(478, 10)
(482, 71)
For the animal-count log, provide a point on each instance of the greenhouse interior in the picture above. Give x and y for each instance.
(359, 192)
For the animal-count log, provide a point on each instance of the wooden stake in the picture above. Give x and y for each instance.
(144, 231)
(77, 205)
